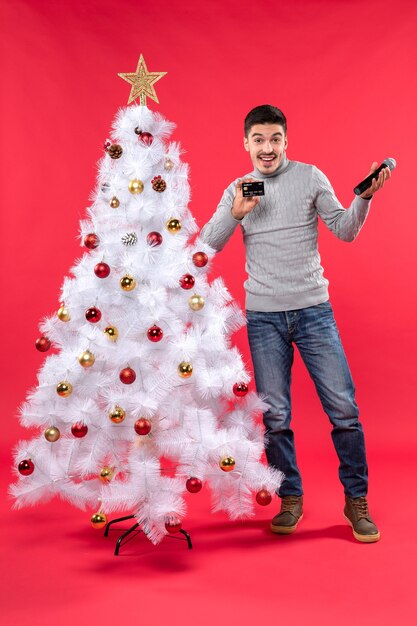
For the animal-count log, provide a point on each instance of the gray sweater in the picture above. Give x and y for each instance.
(280, 235)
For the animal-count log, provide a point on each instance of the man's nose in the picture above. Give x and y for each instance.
(268, 146)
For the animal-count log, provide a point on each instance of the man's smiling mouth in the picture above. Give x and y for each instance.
(267, 158)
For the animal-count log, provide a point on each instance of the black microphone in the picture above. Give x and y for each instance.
(367, 182)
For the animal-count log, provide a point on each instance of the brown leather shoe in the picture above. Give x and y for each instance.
(290, 514)
(357, 514)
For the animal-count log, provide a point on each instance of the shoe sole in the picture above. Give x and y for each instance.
(363, 538)
(285, 530)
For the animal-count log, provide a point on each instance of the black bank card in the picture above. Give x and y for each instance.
(253, 189)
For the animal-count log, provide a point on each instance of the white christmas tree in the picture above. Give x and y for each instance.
(144, 397)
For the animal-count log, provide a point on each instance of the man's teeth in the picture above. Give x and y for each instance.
(267, 158)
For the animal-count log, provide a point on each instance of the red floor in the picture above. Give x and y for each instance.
(58, 570)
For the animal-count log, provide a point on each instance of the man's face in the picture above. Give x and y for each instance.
(266, 144)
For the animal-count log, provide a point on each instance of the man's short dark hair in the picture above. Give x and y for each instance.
(265, 114)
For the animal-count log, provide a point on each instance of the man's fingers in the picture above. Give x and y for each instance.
(252, 202)
(383, 176)
(379, 182)
(239, 183)
(248, 179)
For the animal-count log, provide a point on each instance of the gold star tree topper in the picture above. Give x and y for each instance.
(142, 82)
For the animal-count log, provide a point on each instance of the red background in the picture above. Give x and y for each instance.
(344, 74)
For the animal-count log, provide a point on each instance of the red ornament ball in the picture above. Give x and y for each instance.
(127, 376)
(155, 334)
(43, 344)
(145, 138)
(26, 467)
(263, 497)
(187, 281)
(154, 239)
(93, 315)
(102, 270)
(240, 389)
(173, 527)
(143, 426)
(79, 430)
(91, 241)
(194, 485)
(200, 259)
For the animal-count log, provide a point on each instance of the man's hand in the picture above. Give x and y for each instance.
(241, 205)
(377, 183)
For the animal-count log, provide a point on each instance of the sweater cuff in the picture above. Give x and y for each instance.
(234, 220)
(362, 202)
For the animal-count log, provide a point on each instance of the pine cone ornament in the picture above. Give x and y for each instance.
(158, 184)
(130, 239)
(115, 151)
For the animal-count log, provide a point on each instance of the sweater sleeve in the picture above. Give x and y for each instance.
(217, 232)
(344, 223)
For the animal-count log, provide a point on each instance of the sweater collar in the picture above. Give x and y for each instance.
(282, 167)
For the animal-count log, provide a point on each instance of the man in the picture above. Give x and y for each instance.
(287, 303)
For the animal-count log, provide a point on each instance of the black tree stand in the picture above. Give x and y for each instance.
(124, 537)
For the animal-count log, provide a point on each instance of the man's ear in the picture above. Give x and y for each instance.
(246, 143)
(286, 142)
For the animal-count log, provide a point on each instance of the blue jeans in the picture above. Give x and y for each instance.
(313, 330)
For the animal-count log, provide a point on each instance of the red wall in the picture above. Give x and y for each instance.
(344, 74)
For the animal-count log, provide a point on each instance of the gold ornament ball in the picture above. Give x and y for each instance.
(185, 369)
(63, 313)
(98, 520)
(86, 359)
(196, 302)
(135, 186)
(127, 283)
(64, 389)
(114, 202)
(52, 434)
(111, 332)
(169, 164)
(106, 474)
(117, 415)
(227, 463)
(174, 225)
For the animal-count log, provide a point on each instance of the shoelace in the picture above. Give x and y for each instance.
(289, 503)
(361, 507)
